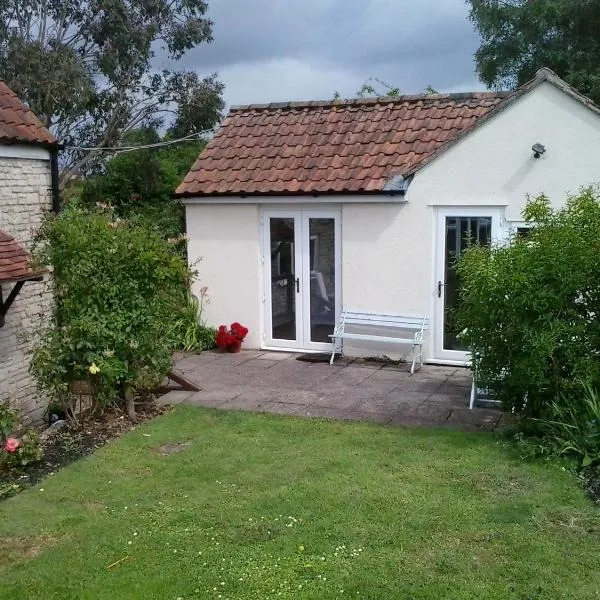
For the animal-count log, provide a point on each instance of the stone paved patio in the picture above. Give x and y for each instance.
(350, 389)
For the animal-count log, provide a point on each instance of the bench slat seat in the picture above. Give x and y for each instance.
(413, 324)
(379, 338)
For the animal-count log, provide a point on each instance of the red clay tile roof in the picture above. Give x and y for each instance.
(14, 261)
(18, 124)
(353, 146)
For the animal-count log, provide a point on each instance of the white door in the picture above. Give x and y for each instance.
(302, 277)
(456, 229)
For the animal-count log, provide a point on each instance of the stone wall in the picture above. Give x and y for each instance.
(25, 193)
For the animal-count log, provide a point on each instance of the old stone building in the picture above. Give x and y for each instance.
(28, 188)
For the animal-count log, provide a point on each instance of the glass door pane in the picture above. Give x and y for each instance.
(461, 232)
(283, 278)
(321, 257)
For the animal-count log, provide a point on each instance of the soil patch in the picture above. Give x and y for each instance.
(72, 442)
(174, 448)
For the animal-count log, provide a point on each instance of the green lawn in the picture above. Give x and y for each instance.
(273, 507)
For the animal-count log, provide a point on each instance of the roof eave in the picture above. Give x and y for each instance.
(195, 194)
(56, 145)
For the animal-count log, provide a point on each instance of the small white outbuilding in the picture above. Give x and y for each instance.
(295, 210)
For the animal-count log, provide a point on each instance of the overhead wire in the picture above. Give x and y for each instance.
(120, 149)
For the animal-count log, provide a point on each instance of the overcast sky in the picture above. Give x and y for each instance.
(278, 50)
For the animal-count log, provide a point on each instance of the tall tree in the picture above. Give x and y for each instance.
(518, 37)
(86, 68)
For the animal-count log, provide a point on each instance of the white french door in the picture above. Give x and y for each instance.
(456, 229)
(301, 260)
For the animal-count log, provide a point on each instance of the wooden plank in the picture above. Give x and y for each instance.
(184, 382)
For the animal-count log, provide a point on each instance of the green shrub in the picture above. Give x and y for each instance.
(530, 308)
(189, 330)
(117, 288)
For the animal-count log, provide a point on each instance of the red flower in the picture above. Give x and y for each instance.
(221, 337)
(12, 444)
(239, 331)
(226, 338)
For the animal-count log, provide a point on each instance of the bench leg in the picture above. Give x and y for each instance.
(414, 358)
(473, 394)
(332, 352)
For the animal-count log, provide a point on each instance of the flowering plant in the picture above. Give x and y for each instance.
(12, 444)
(18, 447)
(231, 339)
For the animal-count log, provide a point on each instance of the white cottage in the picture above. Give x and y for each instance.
(28, 187)
(298, 209)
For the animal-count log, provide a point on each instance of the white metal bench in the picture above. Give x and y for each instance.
(413, 325)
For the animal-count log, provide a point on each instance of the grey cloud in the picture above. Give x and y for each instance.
(410, 43)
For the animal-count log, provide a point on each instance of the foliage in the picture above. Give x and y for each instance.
(29, 451)
(117, 289)
(518, 37)
(193, 335)
(87, 69)
(573, 429)
(529, 308)
(18, 447)
(374, 87)
(138, 185)
(8, 421)
(246, 499)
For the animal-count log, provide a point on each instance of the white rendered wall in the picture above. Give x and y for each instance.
(224, 247)
(495, 165)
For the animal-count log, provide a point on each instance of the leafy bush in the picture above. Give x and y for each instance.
(117, 288)
(530, 308)
(192, 334)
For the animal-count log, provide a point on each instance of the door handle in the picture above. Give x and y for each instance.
(297, 285)
(440, 286)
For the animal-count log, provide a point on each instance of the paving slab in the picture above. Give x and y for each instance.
(368, 364)
(212, 397)
(326, 412)
(259, 363)
(344, 401)
(393, 374)
(234, 358)
(283, 408)
(373, 417)
(350, 389)
(173, 397)
(246, 401)
(278, 356)
(450, 400)
(400, 396)
(428, 386)
(379, 386)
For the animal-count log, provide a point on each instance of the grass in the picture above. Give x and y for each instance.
(251, 506)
